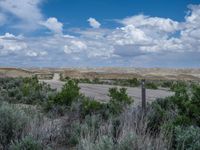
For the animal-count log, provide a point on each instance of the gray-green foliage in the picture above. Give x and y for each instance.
(103, 143)
(187, 138)
(70, 92)
(24, 90)
(12, 123)
(151, 85)
(127, 143)
(119, 99)
(72, 133)
(27, 143)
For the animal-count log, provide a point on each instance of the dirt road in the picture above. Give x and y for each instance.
(100, 92)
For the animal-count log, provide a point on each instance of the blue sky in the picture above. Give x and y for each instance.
(93, 33)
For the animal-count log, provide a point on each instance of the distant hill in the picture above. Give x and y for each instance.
(15, 72)
(106, 73)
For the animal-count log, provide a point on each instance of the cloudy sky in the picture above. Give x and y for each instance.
(92, 33)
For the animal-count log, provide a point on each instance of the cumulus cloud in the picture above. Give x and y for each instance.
(17, 45)
(94, 23)
(54, 25)
(27, 15)
(128, 35)
(139, 40)
(26, 10)
(74, 47)
(162, 24)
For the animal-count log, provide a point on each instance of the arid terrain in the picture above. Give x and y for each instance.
(106, 73)
(100, 92)
(66, 105)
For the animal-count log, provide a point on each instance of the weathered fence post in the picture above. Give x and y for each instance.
(143, 95)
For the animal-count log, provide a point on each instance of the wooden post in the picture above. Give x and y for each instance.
(143, 95)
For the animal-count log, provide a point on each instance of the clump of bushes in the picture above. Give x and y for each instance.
(178, 115)
(168, 123)
(12, 123)
(134, 82)
(118, 100)
(178, 85)
(187, 137)
(85, 80)
(69, 93)
(127, 131)
(24, 90)
(92, 107)
(167, 84)
(151, 85)
(27, 143)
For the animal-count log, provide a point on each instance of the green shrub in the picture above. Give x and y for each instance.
(91, 107)
(118, 100)
(182, 109)
(104, 143)
(57, 104)
(127, 82)
(187, 101)
(90, 137)
(96, 81)
(12, 123)
(151, 85)
(127, 143)
(178, 85)
(187, 138)
(24, 90)
(167, 84)
(72, 133)
(134, 82)
(27, 143)
(69, 93)
(85, 80)
(160, 112)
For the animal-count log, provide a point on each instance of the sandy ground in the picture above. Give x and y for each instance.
(100, 92)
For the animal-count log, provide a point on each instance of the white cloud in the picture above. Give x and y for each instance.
(31, 54)
(26, 10)
(94, 23)
(54, 25)
(17, 45)
(8, 35)
(128, 35)
(11, 44)
(162, 24)
(139, 38)
(28, 14)
(74, 47)
(193, 17)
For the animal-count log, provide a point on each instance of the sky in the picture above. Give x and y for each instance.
(100, 33)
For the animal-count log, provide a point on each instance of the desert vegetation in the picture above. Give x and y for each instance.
(134, 82)
(35, 117)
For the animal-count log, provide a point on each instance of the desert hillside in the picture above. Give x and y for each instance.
(105, 73)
